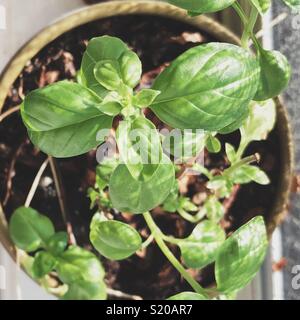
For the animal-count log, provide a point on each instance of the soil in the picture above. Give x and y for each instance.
(157, 41)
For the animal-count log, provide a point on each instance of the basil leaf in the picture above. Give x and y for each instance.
(262, 5)
(275, 74)
(247, 173)
(230, 153)
(260, 122)
(241, 256)
(57, 243)
(201, 247)
(202, 6)
(115, 240)
(77, 264)
(104, 172)
(112, 74)
(139, 146)
(130, 68)
(293, 4)
(107, 74)
(111, 104)
(213, 144)
(172, 203)
(63, 119)
(29, 230)
(208, 87)
(237, 123)
(145, 97)
(43, 263)
(214, 209)
(220, 185)
(83, 290)
(109, 48)
(137, 196)
(188, 296)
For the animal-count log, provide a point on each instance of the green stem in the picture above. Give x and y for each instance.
(147, 242)
(249, 27)
(247, 160)
(239, 10)
(158, 236)
(191, 218)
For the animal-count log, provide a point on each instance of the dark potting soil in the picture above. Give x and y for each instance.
(157, 41)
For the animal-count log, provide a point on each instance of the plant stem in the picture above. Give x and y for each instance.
(158, 236)
(248, 32)
(239, 10)
(36, 183)
(191, 218)
(247, 160)
(147, 242)
(9, 112)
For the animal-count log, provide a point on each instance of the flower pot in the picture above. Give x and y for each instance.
(164, 10)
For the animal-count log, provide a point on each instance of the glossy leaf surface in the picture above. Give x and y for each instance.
(241, 256)
(115, 240)
(208, 87)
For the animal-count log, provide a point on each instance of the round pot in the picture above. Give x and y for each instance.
(205, 24)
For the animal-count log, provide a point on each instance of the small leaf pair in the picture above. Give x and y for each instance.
(76, 267)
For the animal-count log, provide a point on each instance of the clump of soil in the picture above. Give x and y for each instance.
(157, 41)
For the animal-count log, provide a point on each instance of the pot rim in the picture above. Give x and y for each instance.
(162, 9)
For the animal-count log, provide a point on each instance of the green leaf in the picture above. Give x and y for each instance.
(77, 264)
(275, 74)
(213, 144)
(247, 173)
(145, 97)
(107, 74)
(260, 122)
(220, 185)
(111, 104)
(171, 204)
(113, 49)
(241, 256)
(113, 74)
(83, 290)
(201, 247)
(262, 5)
(63, 119)
(104, 172)
(236, 124)
(130, 68)
(130, 195)
(208, 87)
(57, 243)
(30, 230)
(188, 296)
(115, 240)
(202, 6)
(43, 263)
(139, 147)
(99, 49)
(293, 4)
(230, 153)
(214, 209)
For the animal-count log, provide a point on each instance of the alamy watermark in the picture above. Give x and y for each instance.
(296, 278)
(145, 146)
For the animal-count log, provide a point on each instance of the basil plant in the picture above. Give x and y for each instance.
(214, 88)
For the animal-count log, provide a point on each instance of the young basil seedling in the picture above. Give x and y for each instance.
(210, 88)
